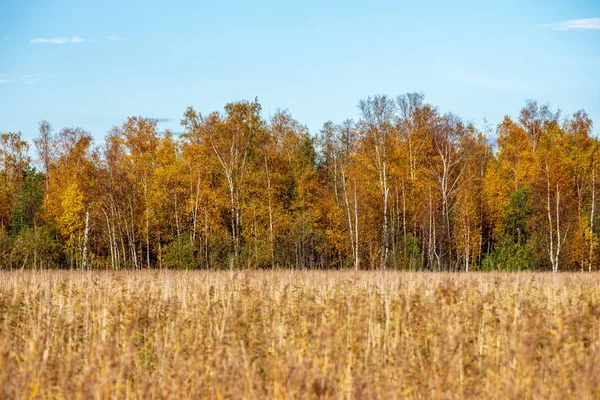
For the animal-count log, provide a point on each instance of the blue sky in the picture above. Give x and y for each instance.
(91, 64)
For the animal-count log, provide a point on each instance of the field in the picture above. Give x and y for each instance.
(299, 334)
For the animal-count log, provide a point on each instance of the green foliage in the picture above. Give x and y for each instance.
(32, 248)
(513, 252)
(181, 254)
(508, 256)
(256, 254)
(412, 256)
(5, 251)
(309, 153)
(29, 202)
(516, 215)
(290, 196)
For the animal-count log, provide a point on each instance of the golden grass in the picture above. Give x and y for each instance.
(299, 334)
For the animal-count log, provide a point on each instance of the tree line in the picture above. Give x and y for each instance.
(404, 187)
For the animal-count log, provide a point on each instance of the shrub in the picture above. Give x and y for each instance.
(181, 254)
(35, 248)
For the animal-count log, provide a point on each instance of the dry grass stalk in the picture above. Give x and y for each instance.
(299, 334)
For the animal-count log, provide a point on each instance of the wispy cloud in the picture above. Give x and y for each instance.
(116, 39)
(30, 79)
(585, 23)
(40, 76)
(159, 120)
(485, 82)
(6, 38)
(61, 40)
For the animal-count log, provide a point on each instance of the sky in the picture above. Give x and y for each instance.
(91, 64)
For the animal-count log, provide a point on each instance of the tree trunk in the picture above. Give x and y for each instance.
(85, 239)
(348, 214)
(270, 215)
(356, 242)
(147, 221)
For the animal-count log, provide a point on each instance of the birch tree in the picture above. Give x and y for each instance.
(377, 124)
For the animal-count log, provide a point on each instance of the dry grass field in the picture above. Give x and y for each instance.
(299, 334)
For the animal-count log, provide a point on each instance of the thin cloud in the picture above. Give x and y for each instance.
(580, 24)
(31, 79)
(61, 40)
(161, 120)
(40, 76)
(6, 38)
(116, 39)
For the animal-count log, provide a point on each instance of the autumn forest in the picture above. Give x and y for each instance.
(403, 187)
